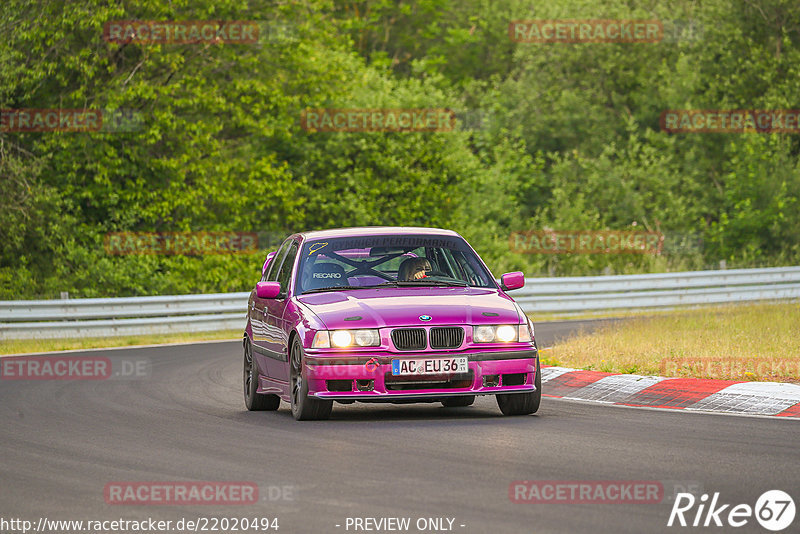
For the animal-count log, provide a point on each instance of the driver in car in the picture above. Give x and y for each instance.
(413, 269)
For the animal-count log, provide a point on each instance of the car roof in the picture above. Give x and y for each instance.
(374, 230)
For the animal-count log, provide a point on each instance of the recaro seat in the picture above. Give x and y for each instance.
(327, 275)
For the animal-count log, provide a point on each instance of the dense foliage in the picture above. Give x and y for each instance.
(562, 136)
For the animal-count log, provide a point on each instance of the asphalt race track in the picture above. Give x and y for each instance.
(63, 441)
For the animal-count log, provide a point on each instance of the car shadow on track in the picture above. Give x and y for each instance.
(420, 412)
(373, 413)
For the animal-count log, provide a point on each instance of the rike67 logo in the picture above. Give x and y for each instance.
(774, 510)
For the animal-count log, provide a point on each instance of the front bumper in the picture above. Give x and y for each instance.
(368, 376)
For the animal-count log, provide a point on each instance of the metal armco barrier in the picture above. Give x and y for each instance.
(25, 319)
(667, 290)
(127, 316)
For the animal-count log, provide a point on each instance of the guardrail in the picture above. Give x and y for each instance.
(667, 290)
(27, 319)
(127, 316)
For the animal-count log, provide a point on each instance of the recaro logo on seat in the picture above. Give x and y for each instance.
(327, 275)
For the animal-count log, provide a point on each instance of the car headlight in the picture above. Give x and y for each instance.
(483, 334)
(506, 333)
(367, 338)
(503, 333)
(341, 338)
(325, 339)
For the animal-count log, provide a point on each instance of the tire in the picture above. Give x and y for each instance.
(522, 403)
(458, 402)
(304, 408)
(253, 400)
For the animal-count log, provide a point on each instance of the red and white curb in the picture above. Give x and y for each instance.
(695, 394)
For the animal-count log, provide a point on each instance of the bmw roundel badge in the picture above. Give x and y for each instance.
(425, 317)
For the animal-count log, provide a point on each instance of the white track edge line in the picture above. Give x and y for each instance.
(673, 410)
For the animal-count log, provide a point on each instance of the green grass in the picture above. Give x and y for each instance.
(741, 342)
(22, 346)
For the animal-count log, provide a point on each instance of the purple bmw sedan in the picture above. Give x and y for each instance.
(385, 314)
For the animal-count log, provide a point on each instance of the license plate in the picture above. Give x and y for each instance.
(430, 366)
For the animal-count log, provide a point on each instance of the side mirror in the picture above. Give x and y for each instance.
(511, 281)
(268, 290)
(266, 262)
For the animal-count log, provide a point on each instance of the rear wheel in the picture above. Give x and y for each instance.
(522, 403)
(304, 408)
(458, 402)
(253, 400)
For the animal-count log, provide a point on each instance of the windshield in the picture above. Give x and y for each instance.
(376, 261)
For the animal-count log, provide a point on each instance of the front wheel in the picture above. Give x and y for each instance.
(522, 403)
(304, 408)
(252, 399)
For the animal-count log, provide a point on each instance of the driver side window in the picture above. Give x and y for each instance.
(272, 271)
(285, 273)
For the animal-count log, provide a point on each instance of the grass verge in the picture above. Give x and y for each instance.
(21, 346)
(741, 342)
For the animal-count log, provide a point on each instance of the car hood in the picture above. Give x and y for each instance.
(379, 308)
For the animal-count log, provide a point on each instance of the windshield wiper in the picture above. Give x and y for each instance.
(333, 288)
(393, 283)
(423, 283)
